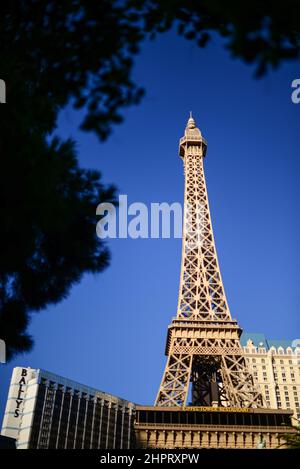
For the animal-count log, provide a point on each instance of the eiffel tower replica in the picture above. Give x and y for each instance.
(206, 378)
(203, 345)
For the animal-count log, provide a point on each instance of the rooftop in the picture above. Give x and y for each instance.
(259, 339)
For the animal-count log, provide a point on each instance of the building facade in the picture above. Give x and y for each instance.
(47, 411)
(211, 427)
(276, 368)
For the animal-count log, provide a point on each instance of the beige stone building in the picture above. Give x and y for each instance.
(276, 368)
(211, 427)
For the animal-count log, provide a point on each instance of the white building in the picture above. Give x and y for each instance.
(44, 410)
(276, 368)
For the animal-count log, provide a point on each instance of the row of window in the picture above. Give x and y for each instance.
(259, 350)
(283, 376)
(274, 361)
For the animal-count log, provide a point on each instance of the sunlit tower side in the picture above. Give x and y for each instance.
(203, 342)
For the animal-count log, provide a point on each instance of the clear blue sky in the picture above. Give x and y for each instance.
(110, 332)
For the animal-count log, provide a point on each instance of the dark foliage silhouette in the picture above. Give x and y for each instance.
(54, 53)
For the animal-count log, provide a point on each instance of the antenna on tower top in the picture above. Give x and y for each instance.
(191, 124)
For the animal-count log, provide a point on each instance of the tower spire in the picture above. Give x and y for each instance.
(203, 346)
(191, 124)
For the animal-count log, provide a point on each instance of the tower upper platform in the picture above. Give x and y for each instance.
(192, 137)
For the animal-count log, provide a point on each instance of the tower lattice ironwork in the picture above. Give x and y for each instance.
(203, 343)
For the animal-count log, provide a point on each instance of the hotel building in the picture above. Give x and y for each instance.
(47, 411)
(276, 368)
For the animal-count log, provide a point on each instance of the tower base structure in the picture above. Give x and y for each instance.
(211, 427)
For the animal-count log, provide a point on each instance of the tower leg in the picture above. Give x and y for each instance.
(173, 390)
(239, 386)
